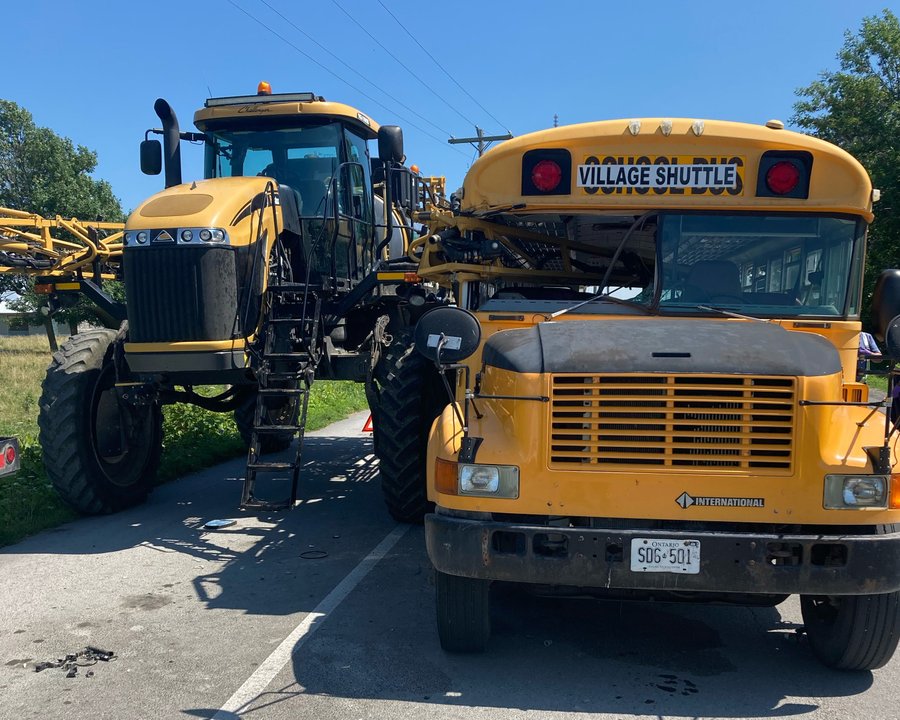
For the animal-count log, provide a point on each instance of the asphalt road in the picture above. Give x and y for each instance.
(326, 612)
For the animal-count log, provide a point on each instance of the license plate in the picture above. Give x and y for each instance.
(662, 555)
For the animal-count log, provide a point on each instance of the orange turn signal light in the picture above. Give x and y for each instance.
(445, 477)
(264, 88)
(894, 502)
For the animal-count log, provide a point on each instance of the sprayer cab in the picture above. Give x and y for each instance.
(285, 176)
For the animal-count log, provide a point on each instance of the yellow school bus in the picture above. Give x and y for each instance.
(655, 348)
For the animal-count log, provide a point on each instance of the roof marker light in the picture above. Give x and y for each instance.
(775, 124)
(634, 126)
(698, 126)
(665, 127)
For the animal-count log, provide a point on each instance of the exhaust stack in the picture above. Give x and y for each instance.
(171, 142)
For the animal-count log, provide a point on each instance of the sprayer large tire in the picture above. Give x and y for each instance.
(410, 398)
(98, 459)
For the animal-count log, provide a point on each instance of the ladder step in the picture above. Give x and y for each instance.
(266, 505)
(290, 288)
(266, 378)
(270, 466)
(275, 428)
(299, 355)
(281, 391)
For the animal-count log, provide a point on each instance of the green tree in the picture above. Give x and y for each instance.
(858, 108)
(44, 173)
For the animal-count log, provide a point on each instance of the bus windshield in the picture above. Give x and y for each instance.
(304, 158)
(761, 265)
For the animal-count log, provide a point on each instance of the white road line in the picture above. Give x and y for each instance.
(280, 657)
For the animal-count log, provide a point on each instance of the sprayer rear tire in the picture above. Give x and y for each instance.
(82, 430)
(410, 397)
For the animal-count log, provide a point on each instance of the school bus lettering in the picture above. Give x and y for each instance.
(663, 175)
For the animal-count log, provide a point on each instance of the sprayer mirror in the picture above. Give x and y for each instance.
(390, 144)
(459, 329)
(151, 157)
(885, 302)
(892, 339)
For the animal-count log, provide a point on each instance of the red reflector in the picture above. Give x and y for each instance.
(782, 177)
(411, 277)
(44, 289)
(546, 175)
(10, 455)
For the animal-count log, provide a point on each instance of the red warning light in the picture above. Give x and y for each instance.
(546, 175)
(782, 177)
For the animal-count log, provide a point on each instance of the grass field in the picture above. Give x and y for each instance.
(194, 438)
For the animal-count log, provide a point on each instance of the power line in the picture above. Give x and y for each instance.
(402, 64)
(352, 69)
(331, 72)
(435, 61)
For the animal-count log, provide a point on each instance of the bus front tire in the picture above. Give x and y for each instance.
(463, 612)
(852, 632)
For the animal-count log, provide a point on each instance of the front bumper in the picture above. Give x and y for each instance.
(731, 562)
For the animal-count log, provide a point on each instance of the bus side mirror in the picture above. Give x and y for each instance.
(390, 144)
(885, 302)
(447, 335)
(151, 157)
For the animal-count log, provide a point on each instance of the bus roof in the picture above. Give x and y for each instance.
(837, 182)
(282, 105)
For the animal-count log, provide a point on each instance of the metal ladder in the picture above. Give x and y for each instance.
(286, 368)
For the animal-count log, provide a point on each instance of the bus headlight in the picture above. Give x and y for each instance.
(856, 492)
(500, 481)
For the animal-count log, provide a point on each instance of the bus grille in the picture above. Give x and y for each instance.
(672, 421)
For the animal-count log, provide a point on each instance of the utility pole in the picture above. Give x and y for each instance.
(482, 142)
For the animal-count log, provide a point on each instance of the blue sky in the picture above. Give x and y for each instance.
(91, 70)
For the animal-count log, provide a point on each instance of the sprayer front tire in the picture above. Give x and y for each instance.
(410, 397)
(100, 457)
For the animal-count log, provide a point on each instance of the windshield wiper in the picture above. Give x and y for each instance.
(605, 297)
(731, 313)
(612, 263)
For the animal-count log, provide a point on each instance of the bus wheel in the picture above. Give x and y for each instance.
(100, 455)
(463, 612)
(410, 397)
(852, 632)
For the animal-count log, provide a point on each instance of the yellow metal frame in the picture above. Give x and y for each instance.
(33, 235)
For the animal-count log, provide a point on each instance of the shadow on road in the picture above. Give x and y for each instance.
(269, 563)
(565, 655)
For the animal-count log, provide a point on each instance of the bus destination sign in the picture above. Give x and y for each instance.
(661, 175)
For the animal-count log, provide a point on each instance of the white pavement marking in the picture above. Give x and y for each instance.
(273, 664)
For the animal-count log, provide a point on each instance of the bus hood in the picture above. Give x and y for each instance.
(662, 345)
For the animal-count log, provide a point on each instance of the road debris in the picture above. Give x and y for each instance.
(72, 661)
(313, 554)
(218, 524)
